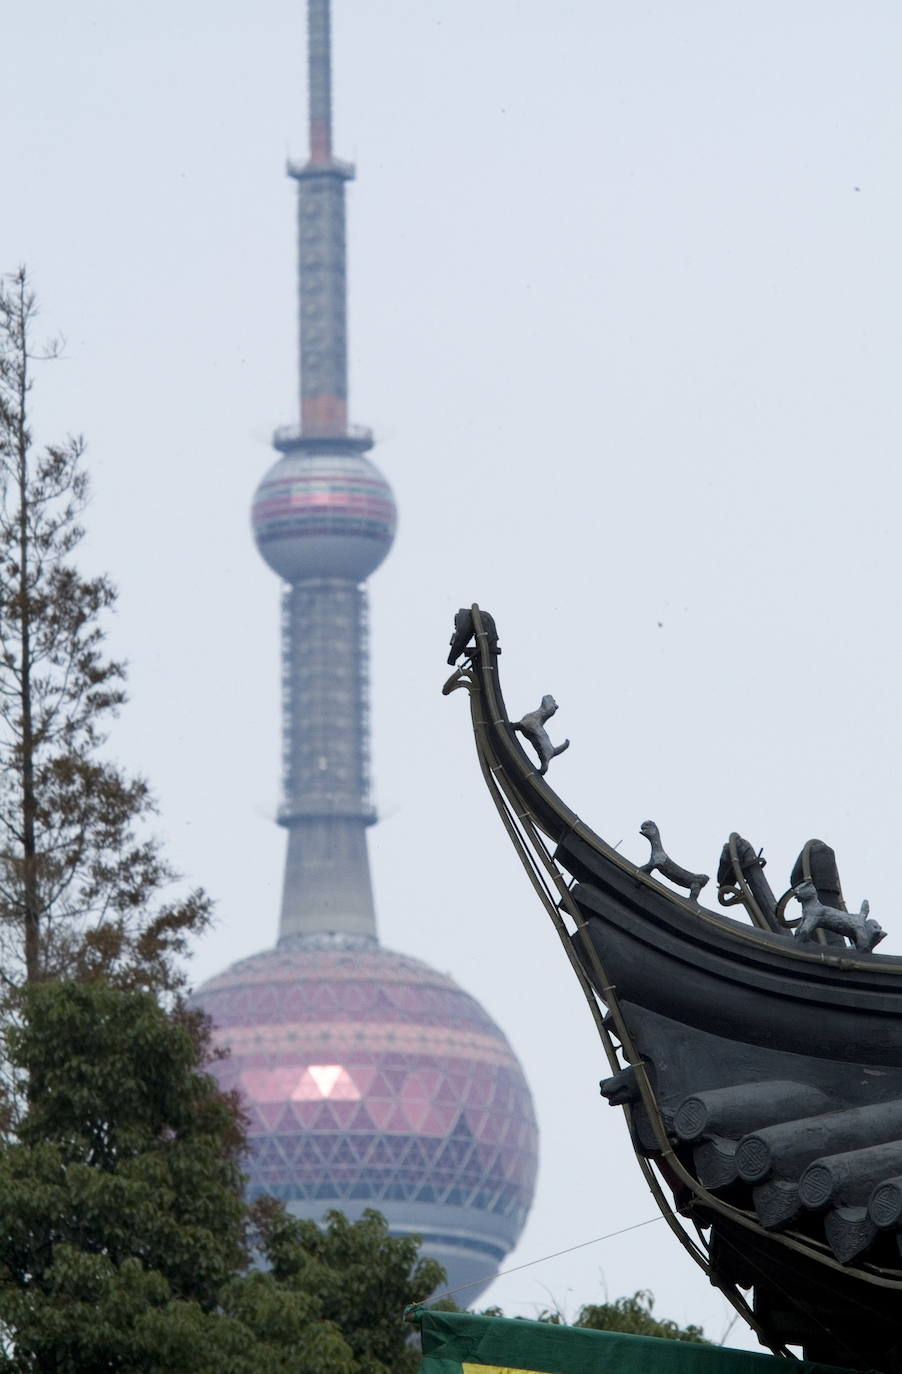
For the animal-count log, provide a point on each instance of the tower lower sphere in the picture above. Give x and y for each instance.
(370, 1080)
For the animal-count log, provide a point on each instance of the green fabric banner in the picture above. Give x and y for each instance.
(458, 1343)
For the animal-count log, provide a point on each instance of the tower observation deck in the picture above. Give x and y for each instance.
(369, 1079)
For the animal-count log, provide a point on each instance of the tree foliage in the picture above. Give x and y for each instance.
(121, 1194)
(632, 1315)
(361, 1278)
(124, 1236)
(80, 885)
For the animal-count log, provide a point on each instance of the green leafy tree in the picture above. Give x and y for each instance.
(634, 1316)
(121, 1195)
(124, 1235)
(360, 1277)
(80, 885)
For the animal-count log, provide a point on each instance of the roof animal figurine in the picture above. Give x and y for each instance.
(855, 925)
(464, 631)
(661, 861)
(533, 727)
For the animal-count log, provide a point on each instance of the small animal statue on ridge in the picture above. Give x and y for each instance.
(533, 727)
(660, 860)
(464, 631)
(855, 925)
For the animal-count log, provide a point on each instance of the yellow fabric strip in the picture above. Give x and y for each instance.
(493, 1369)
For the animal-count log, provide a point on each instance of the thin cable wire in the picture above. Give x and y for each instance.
(449, 1293)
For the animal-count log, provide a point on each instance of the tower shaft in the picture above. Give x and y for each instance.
(326, 804)
(325, 700)
(325, 510)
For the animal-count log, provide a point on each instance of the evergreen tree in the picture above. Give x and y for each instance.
(80, 885)
(124, 1235)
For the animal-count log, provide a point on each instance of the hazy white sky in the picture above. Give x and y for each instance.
(625, 316)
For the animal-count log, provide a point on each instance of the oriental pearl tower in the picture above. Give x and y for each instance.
(369, 1079)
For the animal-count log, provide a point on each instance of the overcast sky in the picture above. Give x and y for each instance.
(625, 317)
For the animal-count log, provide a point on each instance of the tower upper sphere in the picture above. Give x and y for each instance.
(324, 515)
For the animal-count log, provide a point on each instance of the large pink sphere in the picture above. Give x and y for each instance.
(324, 515)
(371, 1080)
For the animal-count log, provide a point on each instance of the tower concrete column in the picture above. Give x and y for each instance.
(326, 806)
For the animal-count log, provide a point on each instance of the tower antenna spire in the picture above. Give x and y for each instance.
(322, 254)
(319, 80)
